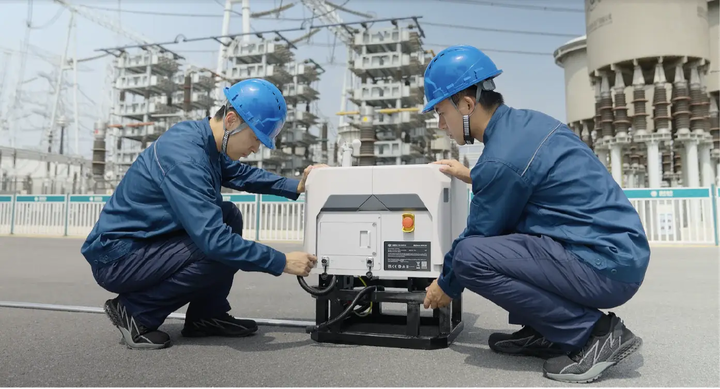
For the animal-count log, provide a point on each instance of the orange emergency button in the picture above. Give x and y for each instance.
(408, 222)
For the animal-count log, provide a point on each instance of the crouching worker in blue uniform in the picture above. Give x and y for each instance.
(551, 237)
(166, 238)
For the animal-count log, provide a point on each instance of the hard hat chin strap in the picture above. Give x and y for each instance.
(226, 133)
(485, 85)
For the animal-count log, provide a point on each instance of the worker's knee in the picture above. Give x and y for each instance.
(470, 264)
(232, 216)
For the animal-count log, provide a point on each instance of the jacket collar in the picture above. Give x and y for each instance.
(501, 111)
(209, 139)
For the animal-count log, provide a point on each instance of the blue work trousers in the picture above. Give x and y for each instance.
(167, 273)
(540, 284)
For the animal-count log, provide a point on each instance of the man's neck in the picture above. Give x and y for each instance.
(217, 130)
(479, 124)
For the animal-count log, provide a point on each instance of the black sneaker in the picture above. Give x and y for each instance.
(223, 325)
(526, 342)
(600, 353)
(134, 336)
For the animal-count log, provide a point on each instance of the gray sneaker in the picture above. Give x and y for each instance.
(525, 342)
(134, 336)
(599, 354)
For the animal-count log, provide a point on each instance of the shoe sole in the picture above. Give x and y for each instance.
(598, 369)
(525, 352)
(201, 334)
(127, 337)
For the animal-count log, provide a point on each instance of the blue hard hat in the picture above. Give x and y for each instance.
(454, 69)
(261, 105)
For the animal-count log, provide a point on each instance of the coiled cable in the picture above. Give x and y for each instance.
(345, 313)
(318, 292)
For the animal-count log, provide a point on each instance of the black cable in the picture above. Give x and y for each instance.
(317, 292)
(345, 313)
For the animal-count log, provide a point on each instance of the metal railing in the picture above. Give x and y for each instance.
(669, 215)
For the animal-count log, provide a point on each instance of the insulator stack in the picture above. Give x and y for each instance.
(680, 102)
(642, 160)
(99, 150)
(714, 123)
(705, 98)
(606, 109)
(639, 119)
(367, 146)
(324, 135)
(626, 159)
(574, 128)
(586, 134)
(677, 163)
(634, 154)
(597, 118)
(620, 112)
(706, 109)
(661, 114)
(698, 121)
(666, 161)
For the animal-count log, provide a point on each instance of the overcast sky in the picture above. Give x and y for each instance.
(531, 79)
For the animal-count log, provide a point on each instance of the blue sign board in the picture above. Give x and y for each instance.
(240, 198)
(89, 199)
(41, 199)
(5, 199)
(668, 193)
(280, 199)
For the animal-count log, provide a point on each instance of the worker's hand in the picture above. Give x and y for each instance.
(306, 173)
(455, 169)
(435, 297)
(299, 263)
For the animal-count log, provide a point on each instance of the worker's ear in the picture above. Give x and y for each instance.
(233, 120)
(467, 105)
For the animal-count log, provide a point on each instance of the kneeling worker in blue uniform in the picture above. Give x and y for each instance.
(551, 237)
(166, 238)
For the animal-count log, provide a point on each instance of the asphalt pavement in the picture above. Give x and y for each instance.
(675, 312)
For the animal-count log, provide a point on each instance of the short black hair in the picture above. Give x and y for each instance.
(489, 99)
(221, 112)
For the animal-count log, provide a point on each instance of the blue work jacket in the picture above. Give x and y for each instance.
(536, 177)
(174, 186)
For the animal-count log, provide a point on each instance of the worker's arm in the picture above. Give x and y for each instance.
(499, 198)
(239, 176)
(189, 190)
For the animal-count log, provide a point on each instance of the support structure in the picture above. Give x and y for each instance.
(388, 92)
(377, 328)
(715, 136)
(274, 61)
(686, 139)
(653, 139)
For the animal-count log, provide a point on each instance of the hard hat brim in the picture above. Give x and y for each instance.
(264, 139)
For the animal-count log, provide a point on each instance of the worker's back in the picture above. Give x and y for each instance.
(573, 198)
(138, 208)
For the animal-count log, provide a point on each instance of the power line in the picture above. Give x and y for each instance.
(445, 25)
(515, 6)
(487, 50)
(154, 13)
(521, 52)
(182, 39)
(444, 45)
(507, 31)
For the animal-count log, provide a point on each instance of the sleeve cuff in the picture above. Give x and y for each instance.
(450, 288)
(290, 187)
(278, 263)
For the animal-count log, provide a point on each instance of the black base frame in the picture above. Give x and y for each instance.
(386, 330)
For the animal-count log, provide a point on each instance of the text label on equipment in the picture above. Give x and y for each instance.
(407, 256)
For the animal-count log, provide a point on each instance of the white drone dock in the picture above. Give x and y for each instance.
(376, 228)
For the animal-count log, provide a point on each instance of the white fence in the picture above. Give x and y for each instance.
(669, 215)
